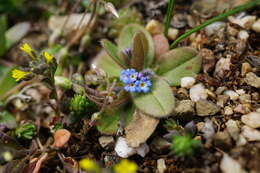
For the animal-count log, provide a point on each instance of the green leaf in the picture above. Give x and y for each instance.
(3, 27)
(125, 41)
(109, 120)
(7, 120)
(139, 51)
(179, 63)
(112, 51)
(159, 102)
(104, 62)
(6, 80)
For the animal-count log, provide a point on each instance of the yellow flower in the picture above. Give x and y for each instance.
(19, 74)
(26, 48)
(89, 165)
(48, 57)
(125, 166)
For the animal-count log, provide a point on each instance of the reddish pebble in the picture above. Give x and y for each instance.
(161, 45)
(61, 137)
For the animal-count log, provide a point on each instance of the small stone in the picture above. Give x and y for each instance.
(243, 35)
(160, 145)
(232, 31)
(173, 33)
(211, 94)
(185, 108)
(106, 142)
(206, 108)
(61, 137)
(243, 21)
(198, 92)
(222, 140)
(228, 110)
(240, 109)
(122, 149)
(232, 95)
(222, 100)
(252, 80)
(245, 98)
(161, 45)
(246, 68)
(187, 82)
(258, 110)
(142, 150)
(255, 96)
(229, 165)
(252, 119)
(256, 26)
(208, 130)
(200, 126)
(161, 166)
(241, 140)
(214, 27)
(222, 67)
(251, 134)
(220, 90)
(233, 129)
(154, 27)
(208, 60)
(240, 92)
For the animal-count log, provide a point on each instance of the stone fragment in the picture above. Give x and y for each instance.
(256, 26)
(185, 108)
(252, 79)
(154, 27)
(206, 108)
(222, 100)
(106, 142)
(232, 95)
(222, 67)
(229, 165)
(173, 33)
(251, 134)
(233, 129)
(198, 92)
(245, 68)
(252, 119)
(161, 166)
(187, 82)
(228, 110)
(160, 145)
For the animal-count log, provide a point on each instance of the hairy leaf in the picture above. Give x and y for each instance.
(112, 51)
(179, 63)
(125, 41)
(6, 80)
(139, 51)
(109, 120)
(159, 102)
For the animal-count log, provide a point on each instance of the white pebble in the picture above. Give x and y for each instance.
(122, 149)
(214, 27)
(229, 165)
(198, 92)
(251, 134)
(222, 66)
(240, 91)
(187, 82)
(142, 150)
(252, 119)
(243, 21)
(233, 129)
(208, 130)
(243, 35)
(256, 26)
(161, 166)
(232, 94)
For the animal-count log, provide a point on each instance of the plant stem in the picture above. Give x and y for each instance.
(168, 17)
(240, 8)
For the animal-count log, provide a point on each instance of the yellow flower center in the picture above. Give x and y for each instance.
(126, 166)
(88, 165)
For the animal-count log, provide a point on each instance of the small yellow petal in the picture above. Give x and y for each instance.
(48, 57)
(19, 74)
(125, 166)
(27, 49)
(88, 165)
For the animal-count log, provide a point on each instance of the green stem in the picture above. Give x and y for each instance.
(217, 18)
(168, 17)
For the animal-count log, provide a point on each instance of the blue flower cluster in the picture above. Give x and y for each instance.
(135, 82)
